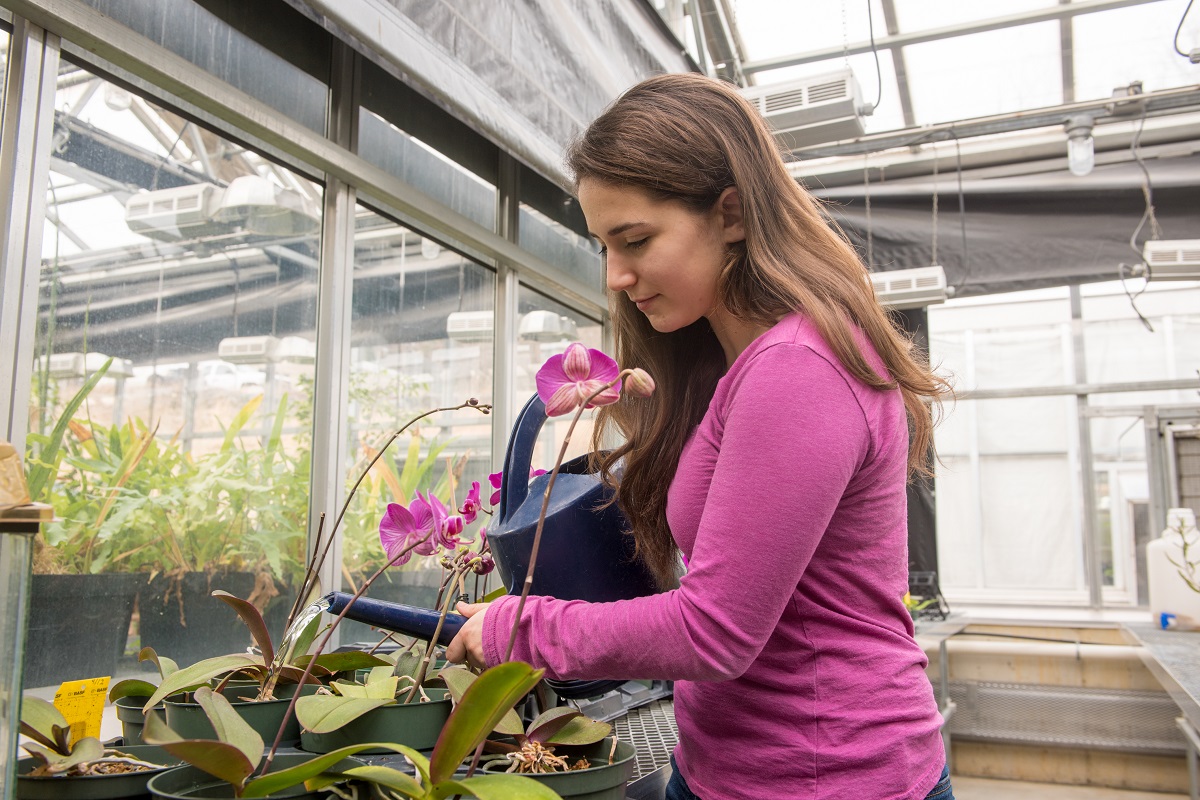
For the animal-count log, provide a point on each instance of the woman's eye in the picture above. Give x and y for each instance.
(637, 244)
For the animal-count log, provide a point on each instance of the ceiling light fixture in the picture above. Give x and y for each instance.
(1081, 147)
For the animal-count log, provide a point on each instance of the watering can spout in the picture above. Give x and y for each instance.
(420, 623)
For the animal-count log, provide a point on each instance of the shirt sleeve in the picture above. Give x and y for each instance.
(792, 437)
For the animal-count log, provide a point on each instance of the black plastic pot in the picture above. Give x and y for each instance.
(78, 626)
(94, 787)
(180, 619)
(601, 781)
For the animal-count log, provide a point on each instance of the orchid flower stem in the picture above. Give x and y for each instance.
(423, 670)
(321, 648)
(481, 408)
(537, 535)
(309, 575)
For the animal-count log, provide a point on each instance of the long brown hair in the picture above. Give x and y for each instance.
(687, 138)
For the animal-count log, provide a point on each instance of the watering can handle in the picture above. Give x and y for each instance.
(519, 457)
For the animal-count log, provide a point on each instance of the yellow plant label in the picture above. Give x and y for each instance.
(82, 703)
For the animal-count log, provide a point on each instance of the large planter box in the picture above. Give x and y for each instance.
(181, 620)
(78, 626)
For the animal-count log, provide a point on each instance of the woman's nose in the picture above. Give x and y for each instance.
(619, 279)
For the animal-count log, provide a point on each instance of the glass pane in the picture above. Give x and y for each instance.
(1139, 35)
(556, 244)
(950, 81)
(190, 31)
(5, 41)
(545, 329)
(418, 164)
(1120, 348)
(188, 266)
(421, 338)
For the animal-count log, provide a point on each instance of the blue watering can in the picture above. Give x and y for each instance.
(585, 553)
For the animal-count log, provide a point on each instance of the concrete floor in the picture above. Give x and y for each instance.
(988, 789)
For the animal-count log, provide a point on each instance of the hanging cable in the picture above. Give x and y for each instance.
(1147, 192)
(878, 74)
(962, 216)
(867, 197)
(1180, 28)
(933, 259)
(1147, 215)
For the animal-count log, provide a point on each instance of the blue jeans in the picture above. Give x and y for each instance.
(677, 788)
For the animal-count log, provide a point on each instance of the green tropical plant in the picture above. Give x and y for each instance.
(535, 743)
(237, 753)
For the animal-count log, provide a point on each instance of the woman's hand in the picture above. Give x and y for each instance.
(467, 646)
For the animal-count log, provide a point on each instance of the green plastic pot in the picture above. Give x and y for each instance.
(416, 725)
(129, 712)
(190, 722)
(93, 787)
(188, 782)
(603, 781)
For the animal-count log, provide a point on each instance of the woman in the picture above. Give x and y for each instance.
(784, 403)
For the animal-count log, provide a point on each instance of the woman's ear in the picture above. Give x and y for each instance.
(729, 206)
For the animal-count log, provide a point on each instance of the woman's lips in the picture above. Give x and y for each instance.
(644, 302)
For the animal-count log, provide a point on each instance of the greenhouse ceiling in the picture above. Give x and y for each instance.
(1003, 79)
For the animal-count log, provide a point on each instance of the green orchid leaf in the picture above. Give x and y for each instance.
(389, 778)
(250, 615)
(219, 759)
(549, 722)
(130, 687)
(496, 787)
(42, 721)
(86, 749)
(347, 689)
(482, 706)
(166, 666)
(580, 730)
(457, 680)
(272, 782)
(407, 664)
(325, 713)
(494, 594)
(229, 725)
(198, 674)
(343, 662)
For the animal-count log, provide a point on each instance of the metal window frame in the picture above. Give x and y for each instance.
(30, 85)
(127, 50)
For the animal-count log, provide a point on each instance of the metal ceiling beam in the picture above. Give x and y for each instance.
(1066, 53)
(948, 32)
(1156, 103)
(899, 65)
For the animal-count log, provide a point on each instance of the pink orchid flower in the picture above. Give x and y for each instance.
(495, 479)
(565, 381)
(470, 507)
(395, 528)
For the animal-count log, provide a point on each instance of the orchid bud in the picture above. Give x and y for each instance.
(639, 383)
(486, 564)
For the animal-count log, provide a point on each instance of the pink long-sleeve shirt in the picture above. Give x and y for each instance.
(796, 671)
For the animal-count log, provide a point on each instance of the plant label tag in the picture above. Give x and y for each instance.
(82, 703)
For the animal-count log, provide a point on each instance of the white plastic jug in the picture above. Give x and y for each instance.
(1169, 592)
